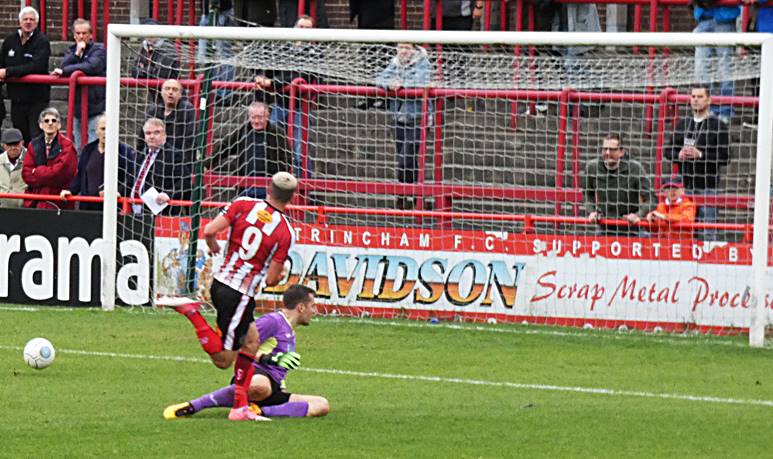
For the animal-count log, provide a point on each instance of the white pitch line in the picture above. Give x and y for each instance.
(440, 379)
(669, 338)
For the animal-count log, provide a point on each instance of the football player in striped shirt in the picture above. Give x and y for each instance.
(259, 239)
(267, 391)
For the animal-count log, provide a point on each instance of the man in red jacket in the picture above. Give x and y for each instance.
(50, 163)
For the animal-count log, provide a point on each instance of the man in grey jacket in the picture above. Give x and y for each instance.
(10, 166)
(616, 187)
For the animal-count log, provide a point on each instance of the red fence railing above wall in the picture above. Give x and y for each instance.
(442, 192)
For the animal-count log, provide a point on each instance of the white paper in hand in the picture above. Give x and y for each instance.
(149, 198)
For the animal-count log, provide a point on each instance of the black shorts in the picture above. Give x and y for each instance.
(234, 314)
(278, 395)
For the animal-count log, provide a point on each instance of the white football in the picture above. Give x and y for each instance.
(39, 353)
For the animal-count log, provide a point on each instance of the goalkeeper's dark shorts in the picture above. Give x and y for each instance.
(278, 395)
(234, 314)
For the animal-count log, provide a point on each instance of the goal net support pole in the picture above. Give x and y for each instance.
(762, 199)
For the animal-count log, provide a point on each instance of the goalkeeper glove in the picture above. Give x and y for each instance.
(286, 360)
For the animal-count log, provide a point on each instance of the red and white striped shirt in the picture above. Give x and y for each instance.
(259, 233)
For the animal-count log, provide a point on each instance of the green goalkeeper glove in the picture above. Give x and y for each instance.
(286, 360)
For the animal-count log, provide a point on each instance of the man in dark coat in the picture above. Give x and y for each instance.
(26, 52)
(91, 59)
(257, 149)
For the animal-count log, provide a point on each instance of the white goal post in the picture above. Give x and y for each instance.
(764, 137)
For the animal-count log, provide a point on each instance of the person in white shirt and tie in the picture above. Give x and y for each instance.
(161, 167)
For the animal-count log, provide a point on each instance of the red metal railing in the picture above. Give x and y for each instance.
(323, 212)
(443, 193)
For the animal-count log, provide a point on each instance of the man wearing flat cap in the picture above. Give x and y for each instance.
(10, 166)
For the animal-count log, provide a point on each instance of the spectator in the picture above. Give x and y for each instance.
(457, 14)
(256, 149)
(90, 178)
(288, 13)
(25, 52)
(159, 166)
(699, 147)
(50, 162)
(261, 13)
(616, 187)
(763, 17)
(90, 58)
(408, 69)
(11, 161)
(373, 14)
(674, 210)
(277, 80)
(224, 11)
(712, 18)
(157, 60)
(179, 116)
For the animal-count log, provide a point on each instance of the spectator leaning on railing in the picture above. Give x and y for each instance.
(50, 163)
(256, 149)
(11, 161)
(90, 179)
(91, 59)
(673, 210)
(25, 52)
(615, 186)
(271, 86)
(408, 69)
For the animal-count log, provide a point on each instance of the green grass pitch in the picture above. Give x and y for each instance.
(396, 389)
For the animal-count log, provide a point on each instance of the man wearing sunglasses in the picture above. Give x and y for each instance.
(50, 163)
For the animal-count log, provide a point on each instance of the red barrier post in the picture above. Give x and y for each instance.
(503, 15)
(81, 9)
(576, 152)
(71, 95)
(563, 115)
(105, 20)
(443, 201)
(84, 116)
(636, 23)
(155, 9)
(661, 133)
(426, 17)
(94, 20)
(42, 13)
(65, 15)
(423, 145)
(404, 14)
(305, 113)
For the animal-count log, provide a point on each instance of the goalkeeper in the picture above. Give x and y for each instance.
(267, 393)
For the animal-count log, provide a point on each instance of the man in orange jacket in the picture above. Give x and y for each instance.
(675, 209)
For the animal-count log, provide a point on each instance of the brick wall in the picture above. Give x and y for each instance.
(338, 14)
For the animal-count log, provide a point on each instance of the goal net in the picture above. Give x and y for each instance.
(599, 180)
